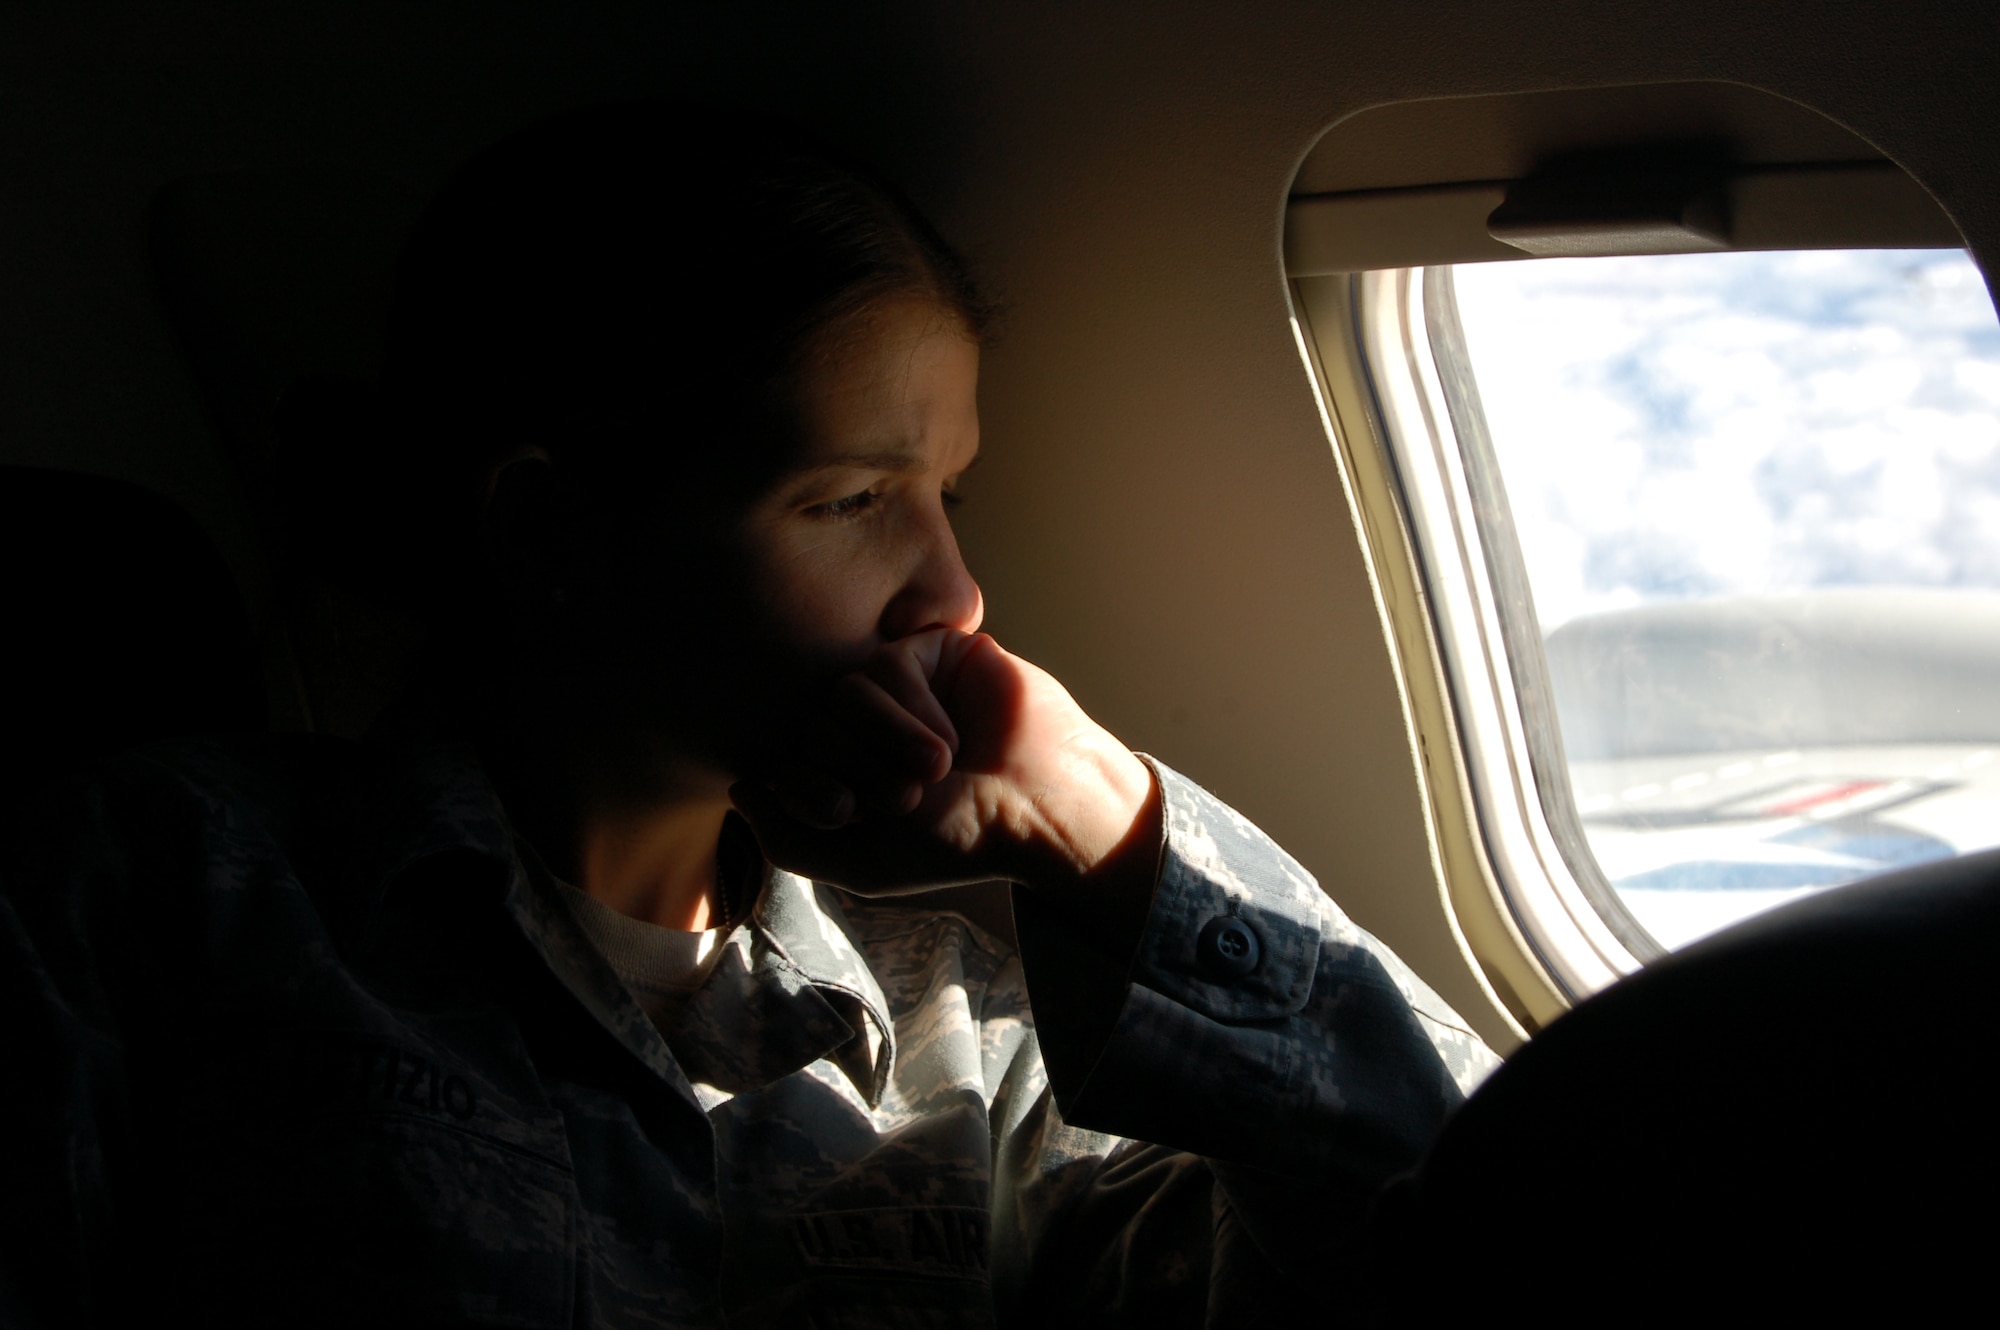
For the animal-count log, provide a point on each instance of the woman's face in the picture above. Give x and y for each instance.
(852, 546)
(848, 547)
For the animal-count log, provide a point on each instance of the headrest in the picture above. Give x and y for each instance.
(122, 625)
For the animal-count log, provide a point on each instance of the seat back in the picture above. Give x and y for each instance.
(122, 625)
(1790, 1120)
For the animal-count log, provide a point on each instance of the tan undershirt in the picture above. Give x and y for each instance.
(661, 966)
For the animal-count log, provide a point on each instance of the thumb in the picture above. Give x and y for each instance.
(774, 827)
(795, 840)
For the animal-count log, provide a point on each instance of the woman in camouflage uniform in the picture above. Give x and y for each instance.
(575, 1000)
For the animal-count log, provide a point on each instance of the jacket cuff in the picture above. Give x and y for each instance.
(1236, 923)
(1232, 937)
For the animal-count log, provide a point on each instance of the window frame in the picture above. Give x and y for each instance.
(1412, 183)
(1534, 744)
(1532, 982)
(1514, 891)
(1535, 912)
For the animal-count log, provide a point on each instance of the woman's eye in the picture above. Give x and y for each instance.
(851, 506)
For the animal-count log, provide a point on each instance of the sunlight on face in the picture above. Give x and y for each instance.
(853, 545)
(848, 547)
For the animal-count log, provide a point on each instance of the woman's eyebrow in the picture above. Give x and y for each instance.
(900, 460)
(886, 460)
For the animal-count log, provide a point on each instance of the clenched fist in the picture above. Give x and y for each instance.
(945, 759)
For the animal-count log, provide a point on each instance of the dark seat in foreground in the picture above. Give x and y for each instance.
(1790, 1120)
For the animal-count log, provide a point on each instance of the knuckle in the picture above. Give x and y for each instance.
(894, 673)
(849, 688)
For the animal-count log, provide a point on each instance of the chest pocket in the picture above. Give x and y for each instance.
(352, 1180)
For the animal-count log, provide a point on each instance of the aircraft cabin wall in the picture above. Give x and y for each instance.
(1160, 521)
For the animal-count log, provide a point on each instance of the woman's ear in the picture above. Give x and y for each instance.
(523, 529)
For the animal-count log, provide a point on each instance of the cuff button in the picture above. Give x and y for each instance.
(1228, 948)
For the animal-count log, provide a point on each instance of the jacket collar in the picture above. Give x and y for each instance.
(420, 801)
(793, 985)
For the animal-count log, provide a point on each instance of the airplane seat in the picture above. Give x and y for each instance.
(276, 282)
(124, 626)
(347, 552)
(1783, 1121)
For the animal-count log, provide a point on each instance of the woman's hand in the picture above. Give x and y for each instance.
(945, 759)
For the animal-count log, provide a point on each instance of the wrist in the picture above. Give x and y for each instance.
(1095, 840)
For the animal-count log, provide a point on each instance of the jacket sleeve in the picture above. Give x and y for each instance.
(1282, 1063)
(68, 1123)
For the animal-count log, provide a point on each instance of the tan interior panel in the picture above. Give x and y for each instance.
(1505, 137)
(1418, 183)
(1161, 519)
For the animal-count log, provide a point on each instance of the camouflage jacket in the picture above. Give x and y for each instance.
(295, 1039)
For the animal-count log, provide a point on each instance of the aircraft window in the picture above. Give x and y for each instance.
(1727, 527)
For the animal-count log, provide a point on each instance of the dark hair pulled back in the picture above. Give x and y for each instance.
(631, 286)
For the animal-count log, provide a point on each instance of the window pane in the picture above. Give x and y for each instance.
(1758, 499)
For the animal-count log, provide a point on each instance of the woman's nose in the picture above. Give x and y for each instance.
(939, 592)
